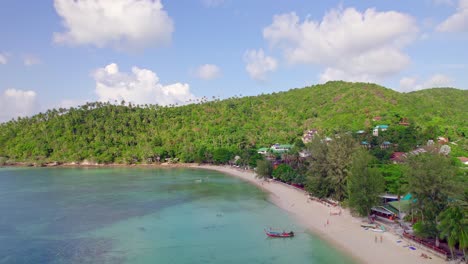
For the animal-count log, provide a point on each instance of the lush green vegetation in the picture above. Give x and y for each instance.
(126, 133)
(365, 183)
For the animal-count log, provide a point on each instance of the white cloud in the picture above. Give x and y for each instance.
(258, 65)
(141, 86)
(123, 24)
(438, 80)
(14, 103)
(3, 58)
(409, 84)
(351, 45)
(208, 72)
(457, 22)
(30, 60)
(212, 3)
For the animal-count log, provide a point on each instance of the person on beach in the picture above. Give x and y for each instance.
(381, 238)
(375, 239)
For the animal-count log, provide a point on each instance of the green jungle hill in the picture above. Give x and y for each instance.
(127, 133)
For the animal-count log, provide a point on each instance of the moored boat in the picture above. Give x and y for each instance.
(279, 234)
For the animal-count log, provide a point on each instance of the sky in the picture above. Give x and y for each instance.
(64, 53)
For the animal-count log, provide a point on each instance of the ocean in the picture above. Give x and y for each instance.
(145, 215)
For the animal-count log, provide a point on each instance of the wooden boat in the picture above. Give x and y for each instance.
(279, 234)
(369, 225)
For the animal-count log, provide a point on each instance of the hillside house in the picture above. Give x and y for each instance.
(365, 144)
(397, 157)
(276, 148)
(376, 118)
(309, 135)
(404, 122)
(442, 140)
(305, 154)
(416, 152)
(463, 160)
(360, 132)
(385, 145)
(378, 128)
(262, 151)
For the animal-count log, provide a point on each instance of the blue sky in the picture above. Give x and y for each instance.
(63, 53)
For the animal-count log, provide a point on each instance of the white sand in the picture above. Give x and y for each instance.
(344, 231)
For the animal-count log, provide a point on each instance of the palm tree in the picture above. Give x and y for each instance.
(453, 226)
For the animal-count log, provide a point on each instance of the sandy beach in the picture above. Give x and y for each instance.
(343, 231)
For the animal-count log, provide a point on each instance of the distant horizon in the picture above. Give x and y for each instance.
(66, 53)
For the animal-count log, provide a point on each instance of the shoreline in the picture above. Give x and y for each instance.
(343, 231)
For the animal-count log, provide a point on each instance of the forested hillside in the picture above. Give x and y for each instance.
(125, 133)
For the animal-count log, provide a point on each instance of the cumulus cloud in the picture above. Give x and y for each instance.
(409, 84)
(3, 58)
(141, 86)
(258, 65)
(15, 103)
(351, 45)
(208, 72)
(123, 24)
(30, 60)
(457, 22)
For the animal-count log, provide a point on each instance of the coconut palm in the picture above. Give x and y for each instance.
(453, 226)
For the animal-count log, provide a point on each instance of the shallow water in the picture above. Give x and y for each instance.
(138, 215)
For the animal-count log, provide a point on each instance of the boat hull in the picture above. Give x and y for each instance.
(279, 234)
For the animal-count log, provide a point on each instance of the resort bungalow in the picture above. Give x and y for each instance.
(309, 135)
(385, 145)
(385, 198)
(375, 132)
(365, 144)
(384, 212)
(397, 157)
(276, 148)
(262, 151)
(403, 206)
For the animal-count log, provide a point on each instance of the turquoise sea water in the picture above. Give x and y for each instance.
(137, 215)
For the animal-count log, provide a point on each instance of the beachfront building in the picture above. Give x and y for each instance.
(276, 149)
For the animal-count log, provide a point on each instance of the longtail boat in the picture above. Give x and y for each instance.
(279, 234)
